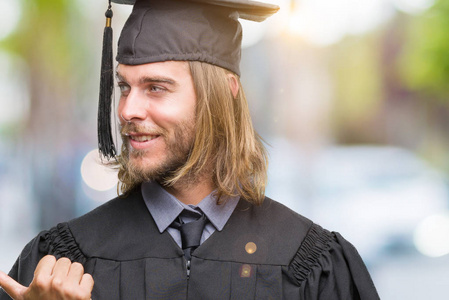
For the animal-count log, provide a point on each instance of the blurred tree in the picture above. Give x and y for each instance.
(359, 89)
(424, 69)
(424, 62)
(49, 43)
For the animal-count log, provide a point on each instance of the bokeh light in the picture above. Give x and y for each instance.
(97, 176)
(250, 247)
(324, 22)
(432, 235)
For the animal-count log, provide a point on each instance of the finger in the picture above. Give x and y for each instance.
(45, 266)
(75, 273)
(87, 282)
(14, 289)
(61, 268)
(42, 276)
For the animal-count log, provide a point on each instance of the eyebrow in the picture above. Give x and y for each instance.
(148, 79)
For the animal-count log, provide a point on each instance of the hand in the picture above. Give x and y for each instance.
(53, 280)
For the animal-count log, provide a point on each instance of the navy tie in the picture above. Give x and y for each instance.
(190, 234)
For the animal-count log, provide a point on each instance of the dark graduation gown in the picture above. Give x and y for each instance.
(121, 247)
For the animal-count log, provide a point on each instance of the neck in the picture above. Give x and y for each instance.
(191, 192)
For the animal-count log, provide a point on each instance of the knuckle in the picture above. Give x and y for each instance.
(40, 283)
(57, 284)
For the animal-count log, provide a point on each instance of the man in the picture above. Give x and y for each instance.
(192, 221)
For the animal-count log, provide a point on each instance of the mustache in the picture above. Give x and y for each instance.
(140, 128)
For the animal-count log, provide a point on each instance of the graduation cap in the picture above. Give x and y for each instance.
(181, 30)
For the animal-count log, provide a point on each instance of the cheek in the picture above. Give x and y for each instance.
(188, 109)
(173, 114)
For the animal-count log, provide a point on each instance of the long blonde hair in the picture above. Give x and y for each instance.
(225, 142)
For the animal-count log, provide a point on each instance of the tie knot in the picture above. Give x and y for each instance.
(191, 232)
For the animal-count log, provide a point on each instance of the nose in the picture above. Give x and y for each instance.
(131, 108)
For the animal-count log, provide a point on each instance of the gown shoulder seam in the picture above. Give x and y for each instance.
(316, 242)
(59, 241)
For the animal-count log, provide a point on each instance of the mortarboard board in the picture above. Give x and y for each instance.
(182, 30)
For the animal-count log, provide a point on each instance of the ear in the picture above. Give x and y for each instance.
(233, 84)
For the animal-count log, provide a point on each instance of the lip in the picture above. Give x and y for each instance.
(135, 140)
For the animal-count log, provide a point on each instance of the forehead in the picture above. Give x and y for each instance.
(172, 69)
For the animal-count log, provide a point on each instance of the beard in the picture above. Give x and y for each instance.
(177, 151)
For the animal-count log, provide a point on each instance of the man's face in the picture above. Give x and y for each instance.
(156, 112)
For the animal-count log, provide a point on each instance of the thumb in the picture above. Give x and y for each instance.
(14, 289)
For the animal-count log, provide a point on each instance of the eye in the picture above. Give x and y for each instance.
(124, 88)
(157, 89)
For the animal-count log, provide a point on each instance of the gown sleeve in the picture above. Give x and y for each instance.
(57, 241)
(328, 267)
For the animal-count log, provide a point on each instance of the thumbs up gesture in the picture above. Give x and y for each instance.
(53, 280)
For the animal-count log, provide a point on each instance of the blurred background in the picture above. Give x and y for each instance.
(351, 97)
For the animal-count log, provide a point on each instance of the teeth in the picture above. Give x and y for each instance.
(143, 138)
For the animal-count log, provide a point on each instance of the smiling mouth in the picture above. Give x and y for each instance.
(142, 138)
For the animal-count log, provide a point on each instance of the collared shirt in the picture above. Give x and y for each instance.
(165, 208)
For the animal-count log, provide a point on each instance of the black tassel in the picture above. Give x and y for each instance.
(105, 142)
